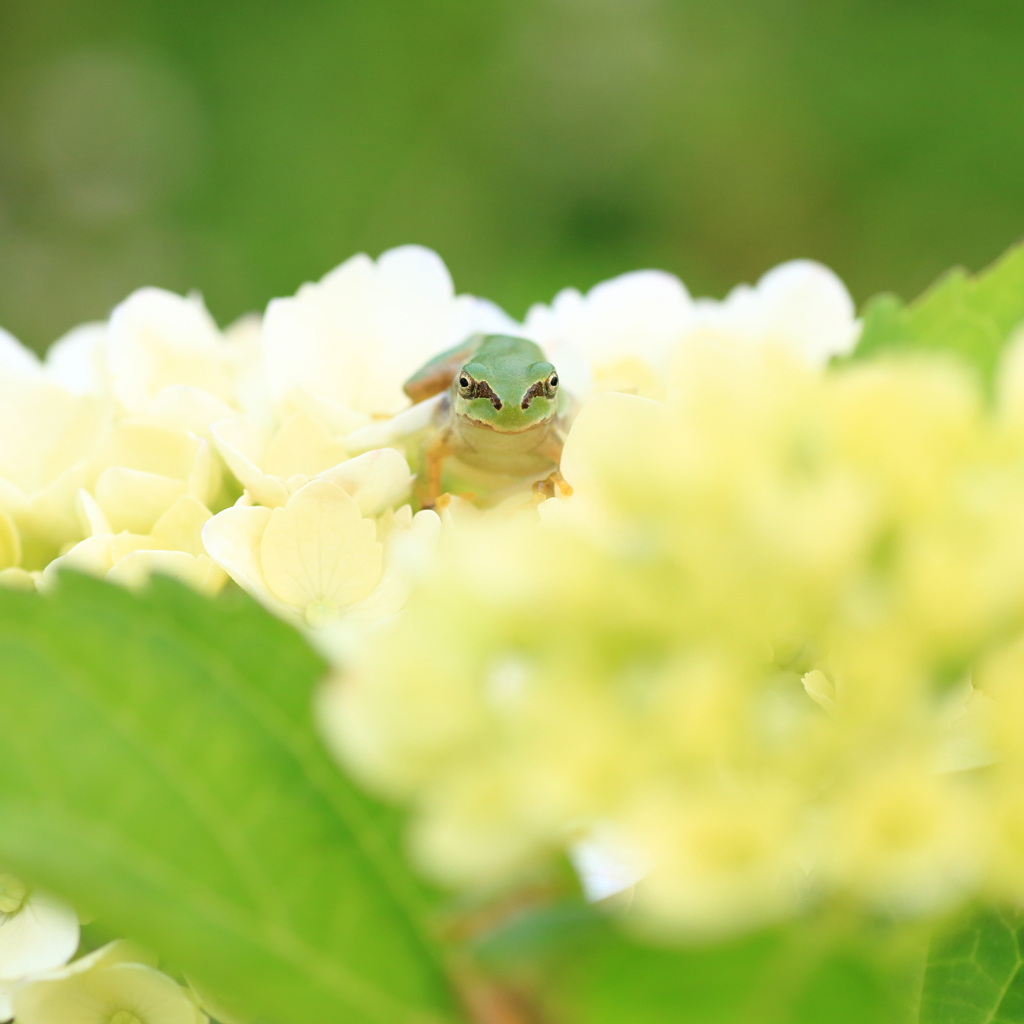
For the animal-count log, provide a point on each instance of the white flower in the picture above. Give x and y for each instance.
(311, 560)
(272, 465)
(110, 986)
(346, 344)
(174, 547)
(141, 469)
(47, 436)
(78, 361)
(617, 337)
(800, 306)
(37, 933)
(169, 362)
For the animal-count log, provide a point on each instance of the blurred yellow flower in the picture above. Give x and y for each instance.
(741, 648)
(620, 336)
(800, 306)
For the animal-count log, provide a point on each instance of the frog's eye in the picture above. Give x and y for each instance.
(553, 381)
(463, 381)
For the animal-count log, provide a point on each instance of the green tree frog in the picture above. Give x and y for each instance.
(502, 413)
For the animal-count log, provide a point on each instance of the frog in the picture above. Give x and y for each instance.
(501, 410)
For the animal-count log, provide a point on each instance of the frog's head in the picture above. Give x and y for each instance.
(507, 385)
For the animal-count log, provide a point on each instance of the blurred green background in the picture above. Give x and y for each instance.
(243, 147)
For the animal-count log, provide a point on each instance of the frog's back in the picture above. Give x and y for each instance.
(436, 374)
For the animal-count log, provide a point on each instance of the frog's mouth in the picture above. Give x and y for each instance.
(542, 422)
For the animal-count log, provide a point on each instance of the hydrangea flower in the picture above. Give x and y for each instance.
(47, 436)
(168, 362)
(116, 984)
(37, 933)
(730, 651)
(620, 336)
(173, 547)
(800, 306)
(344, 345)
(318, 557)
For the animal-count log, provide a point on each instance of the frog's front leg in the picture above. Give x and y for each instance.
(436, 450)
(545, 488)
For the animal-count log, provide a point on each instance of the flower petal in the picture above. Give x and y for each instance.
(377, 479)
(319, 549)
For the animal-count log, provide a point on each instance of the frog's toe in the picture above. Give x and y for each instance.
(542, 490)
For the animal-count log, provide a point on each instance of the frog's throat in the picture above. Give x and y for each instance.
(546, 421)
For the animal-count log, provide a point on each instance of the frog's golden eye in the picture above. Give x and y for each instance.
(463, 381)
(553, 381)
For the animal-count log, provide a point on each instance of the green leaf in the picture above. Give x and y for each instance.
(162, 769)
(974, 972)
(972, 316)
(594, 973)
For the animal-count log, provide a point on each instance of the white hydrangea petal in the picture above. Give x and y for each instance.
(16, 578)
(619, 335)
(90, 515)
(120, 951)
(244, 339)
(611, 436)
(378, 479)
(800, 307)
(157, 339)
(232, 539)
(157, 998)
(204, 478)
(486, 317)
(180, 407)
(10, 542)
(17, 360)
(180, 528)
(396, 429)
(201, 573)
(302, 445)
(805, 304)
(96, 995)
(45, 430)
(339, 418)
(94, 556)
(357, 335)
(47, 520)
(77, 361)
(134, 500)
(319, 549)
(416, 314)
(406, 553)
(12, 497)
(152, 448)
(40, 936)
(125, 543)
(641, 313)
(242, 444)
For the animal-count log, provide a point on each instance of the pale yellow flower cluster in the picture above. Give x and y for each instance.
(276, 452)
(770, 652)
(157, 442)
(118, 983)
